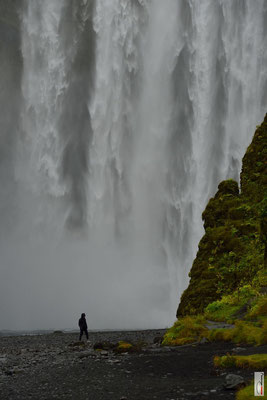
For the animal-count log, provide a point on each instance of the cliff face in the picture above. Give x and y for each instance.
(232, 252)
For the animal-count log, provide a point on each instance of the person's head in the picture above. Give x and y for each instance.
(83, 315)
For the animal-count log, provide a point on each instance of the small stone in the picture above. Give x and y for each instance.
(234, 381)
(84, 355)
(3, 358)
(238, 349)
(113, 361)
(18, 370)
(158, 340)
(9, 372)
(77, 344)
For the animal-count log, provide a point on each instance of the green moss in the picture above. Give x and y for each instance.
(247, 304)
(259, 309)
(240, 212)
(248, 392)
(233, 306)
(124, 346)
(243, 332)
(254, 361)
(219, 205)
(254, 174)
(261, 279)
(227, 361)
(186, 330)
(233, 251)
(217, 311)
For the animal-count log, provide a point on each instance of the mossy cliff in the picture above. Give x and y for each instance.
(233, 251)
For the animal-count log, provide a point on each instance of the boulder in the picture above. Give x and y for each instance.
(234, 382)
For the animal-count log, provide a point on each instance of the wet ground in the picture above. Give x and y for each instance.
(54, 366)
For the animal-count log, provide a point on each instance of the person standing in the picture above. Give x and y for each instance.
(83, 326)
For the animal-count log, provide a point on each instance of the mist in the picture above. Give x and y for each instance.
(48, 286)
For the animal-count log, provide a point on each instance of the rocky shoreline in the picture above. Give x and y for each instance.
(55, 366)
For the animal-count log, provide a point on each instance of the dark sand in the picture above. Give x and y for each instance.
(47, 367)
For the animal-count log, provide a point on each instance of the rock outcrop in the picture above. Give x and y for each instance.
(232, 252)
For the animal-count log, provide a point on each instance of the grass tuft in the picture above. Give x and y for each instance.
(186, 330)
(254, 361)
(259, 309)
(124, 346)
(230, 306)
(243, 332)
(248, 392)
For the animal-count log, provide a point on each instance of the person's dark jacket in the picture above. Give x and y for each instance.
(82, 323)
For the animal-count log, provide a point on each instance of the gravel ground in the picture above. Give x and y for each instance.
(53, 366)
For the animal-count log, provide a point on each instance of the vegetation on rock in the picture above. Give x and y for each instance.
(187, 330)
(229, 275)
(255, 361)
(243, 332)
(232, 306)
(248, 392)
(232, 253)
(124, 346)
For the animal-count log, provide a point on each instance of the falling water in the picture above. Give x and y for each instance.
(132, 112)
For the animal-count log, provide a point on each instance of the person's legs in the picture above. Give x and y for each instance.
(86, 333)
(81, 333)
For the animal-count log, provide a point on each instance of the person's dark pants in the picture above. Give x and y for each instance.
(81, 333)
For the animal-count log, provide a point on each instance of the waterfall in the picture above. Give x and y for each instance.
(132, 112)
